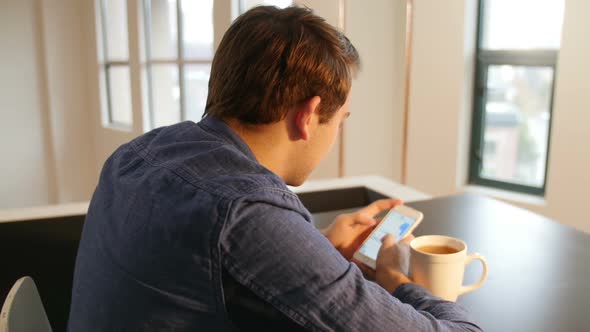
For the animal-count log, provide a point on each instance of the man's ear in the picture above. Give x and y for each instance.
(306, 116)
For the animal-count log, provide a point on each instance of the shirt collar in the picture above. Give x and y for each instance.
(223, 131)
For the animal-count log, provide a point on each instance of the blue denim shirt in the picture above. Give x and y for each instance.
(182, 209)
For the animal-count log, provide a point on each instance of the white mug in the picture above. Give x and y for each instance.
(442, 274)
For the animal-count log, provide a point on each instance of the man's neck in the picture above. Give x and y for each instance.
(269, 143)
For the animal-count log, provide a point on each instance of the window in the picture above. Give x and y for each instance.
(518, 43)
(113, 58)
(178, 46)
(179, 51)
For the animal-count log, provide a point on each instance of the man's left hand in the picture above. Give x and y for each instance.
(348, 231)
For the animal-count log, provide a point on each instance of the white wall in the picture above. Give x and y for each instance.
(440, 108)
(439, 95)
(373, 133)
(46, 140)
(569, 162)
(25, 162)
(66, 51)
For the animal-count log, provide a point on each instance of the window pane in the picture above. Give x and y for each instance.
(516, 129)
(247, 4)
(196, 80)
(114, 14)
(163, 29)
(120, 95)
(197, 29)
(522, 24)
(165, 95)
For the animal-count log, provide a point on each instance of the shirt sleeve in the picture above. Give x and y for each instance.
(288, 263)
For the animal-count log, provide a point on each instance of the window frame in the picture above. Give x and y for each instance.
(483, 60)
(179, 61)
(105, 66)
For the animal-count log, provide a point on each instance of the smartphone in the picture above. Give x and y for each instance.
(399, 221)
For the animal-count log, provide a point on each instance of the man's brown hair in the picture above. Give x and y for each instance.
(272, 59)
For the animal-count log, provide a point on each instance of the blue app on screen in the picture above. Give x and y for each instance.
(395, 224)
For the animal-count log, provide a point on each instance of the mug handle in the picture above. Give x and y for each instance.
(484, 275)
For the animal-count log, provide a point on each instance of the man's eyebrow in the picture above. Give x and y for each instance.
(347, 115)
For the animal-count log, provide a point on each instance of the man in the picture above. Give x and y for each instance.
(192, 227)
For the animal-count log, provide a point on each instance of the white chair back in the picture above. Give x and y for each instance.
(23, 310)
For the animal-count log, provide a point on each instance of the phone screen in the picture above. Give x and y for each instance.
(395, 223)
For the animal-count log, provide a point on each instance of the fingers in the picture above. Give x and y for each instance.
(381, 205)
(387, 242)
(386, 251)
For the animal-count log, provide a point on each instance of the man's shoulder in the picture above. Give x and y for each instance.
(202, 159)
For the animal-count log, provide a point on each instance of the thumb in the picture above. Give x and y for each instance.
(387, 244)
(388, 241)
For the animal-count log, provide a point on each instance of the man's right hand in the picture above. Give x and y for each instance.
(392, 259)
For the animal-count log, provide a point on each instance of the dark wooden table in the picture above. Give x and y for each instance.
(539, 269)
